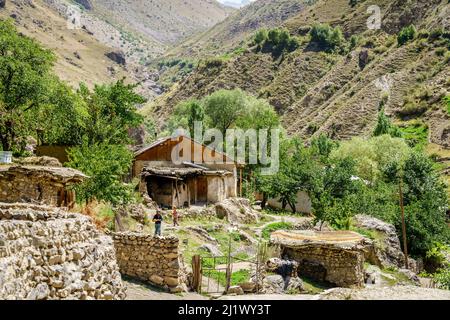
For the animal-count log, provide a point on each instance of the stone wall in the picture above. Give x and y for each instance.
(48, 253)
(153, 259)
(344, 268)
(336, 257)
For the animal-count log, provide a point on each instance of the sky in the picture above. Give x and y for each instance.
(235, 3)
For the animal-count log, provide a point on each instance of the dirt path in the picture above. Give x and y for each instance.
(140, 291)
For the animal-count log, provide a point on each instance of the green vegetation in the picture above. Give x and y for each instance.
(267, 231)
(447, 101)
(237, 277)
(224, 109)
(415, 133)
(328, 38)
(34, 102)
(406, 34)
(385, 126)
(276, 41)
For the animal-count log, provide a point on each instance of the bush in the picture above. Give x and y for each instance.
(276, 41)
(328, 38)
(442, 278)
(406, 34)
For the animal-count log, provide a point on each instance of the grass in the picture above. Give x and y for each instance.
(415, 133)
(236, 277)
(313, 286)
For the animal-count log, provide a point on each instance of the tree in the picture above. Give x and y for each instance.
(105, 164)
(24, 70)
(112, 111)
(385, 126)
(425, 200)
(186, 114)
(406, 34)
(224, 107)
(328, 38)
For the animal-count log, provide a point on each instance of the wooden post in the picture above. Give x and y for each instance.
(405, 249)
(228, 274)
(197, 273)
(240, 182)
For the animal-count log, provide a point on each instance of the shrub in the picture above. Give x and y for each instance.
(276, 41)
(328, 38)
(406, 34)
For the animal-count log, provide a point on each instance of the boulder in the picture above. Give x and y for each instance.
(236, 290)
(87, 4)
(211, 249)
(277, 284)
(236, 211)
(117, 56)
(386, 250)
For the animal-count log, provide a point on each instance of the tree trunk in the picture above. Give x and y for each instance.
(264, 201)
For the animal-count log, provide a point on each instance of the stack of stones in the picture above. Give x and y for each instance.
(48, 253)
(153, 259)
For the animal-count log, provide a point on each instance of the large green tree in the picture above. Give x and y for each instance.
(25, 68)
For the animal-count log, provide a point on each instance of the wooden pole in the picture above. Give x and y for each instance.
(405, 249)
(240, 182)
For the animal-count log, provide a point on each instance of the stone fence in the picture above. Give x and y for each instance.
(48, 253)
(153, 259)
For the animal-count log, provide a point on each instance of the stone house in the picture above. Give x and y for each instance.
(39, 184)
(334, 257)
(180, 171)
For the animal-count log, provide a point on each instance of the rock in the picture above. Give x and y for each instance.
(211, 249)
(276, 284)
(157, 280)
(236, 210)
(363, 59)
(2, 3)
(235, 290)
(248, 287)
(117, 56)
(85, 3)
(202, 233)
(171, 282)
(282, 267)
(41, 292)
(386, 251)
(411, 276)
(40, 161)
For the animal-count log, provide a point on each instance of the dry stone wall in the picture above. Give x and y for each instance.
(153, 259)
(48, 253)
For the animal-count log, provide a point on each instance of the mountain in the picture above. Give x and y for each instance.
(228, 34)
(98, 41)
(340, 93)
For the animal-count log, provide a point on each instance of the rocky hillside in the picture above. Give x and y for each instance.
(227, 35)
(163, 21)
(341, 93)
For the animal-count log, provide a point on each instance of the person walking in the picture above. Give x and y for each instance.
(175, 216)
(157, 219)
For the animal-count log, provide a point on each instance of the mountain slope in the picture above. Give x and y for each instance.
(80, 56)
(341, 94)
(162, 21)
(228, 34)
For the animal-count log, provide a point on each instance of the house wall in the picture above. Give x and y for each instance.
(303, 203)
(19, 187)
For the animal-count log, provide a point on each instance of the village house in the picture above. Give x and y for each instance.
(182, 172)
(39, 184)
